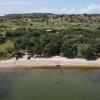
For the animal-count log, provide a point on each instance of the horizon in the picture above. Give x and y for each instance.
(49, 6)
(48, 13)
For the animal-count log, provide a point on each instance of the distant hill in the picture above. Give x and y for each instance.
(77, 18)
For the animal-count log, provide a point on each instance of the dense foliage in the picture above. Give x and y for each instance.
(70, 42)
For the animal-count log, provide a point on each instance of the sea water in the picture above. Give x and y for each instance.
(49, 84)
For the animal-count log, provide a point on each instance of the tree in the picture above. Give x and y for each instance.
(69, 50)
(97, 46)
(87, 51)
(52, 49)
(43, 40)
(2, 39)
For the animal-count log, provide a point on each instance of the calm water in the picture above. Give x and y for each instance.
(50, 84)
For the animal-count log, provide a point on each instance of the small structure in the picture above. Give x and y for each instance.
(58, 64)
(48, 30)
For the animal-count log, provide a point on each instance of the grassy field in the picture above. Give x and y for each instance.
(48, 21)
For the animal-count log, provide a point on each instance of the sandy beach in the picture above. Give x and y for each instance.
(54, 62)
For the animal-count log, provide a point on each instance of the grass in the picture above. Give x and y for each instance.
(13, 24)
(8, 44)
(3, 49)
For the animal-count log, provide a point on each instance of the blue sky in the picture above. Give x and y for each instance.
(52, 6)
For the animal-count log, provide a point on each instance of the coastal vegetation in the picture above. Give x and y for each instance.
(47, 35)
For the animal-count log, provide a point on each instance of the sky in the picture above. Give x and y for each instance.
(50, 6)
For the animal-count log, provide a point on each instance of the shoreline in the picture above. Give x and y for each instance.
(54, 62)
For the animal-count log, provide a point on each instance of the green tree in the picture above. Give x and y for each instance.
(87, 51)
(69, 50)
(51, 49)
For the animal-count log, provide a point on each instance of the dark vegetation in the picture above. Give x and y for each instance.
(48, 35)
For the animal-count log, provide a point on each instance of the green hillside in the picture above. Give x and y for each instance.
(50, 34)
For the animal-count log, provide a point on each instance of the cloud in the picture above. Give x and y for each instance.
(28, 7)
(55, 10)
(92, 8)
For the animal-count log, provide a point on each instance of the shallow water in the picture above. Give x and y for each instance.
(49, 84)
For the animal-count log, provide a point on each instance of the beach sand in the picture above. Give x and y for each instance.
(54, 62)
